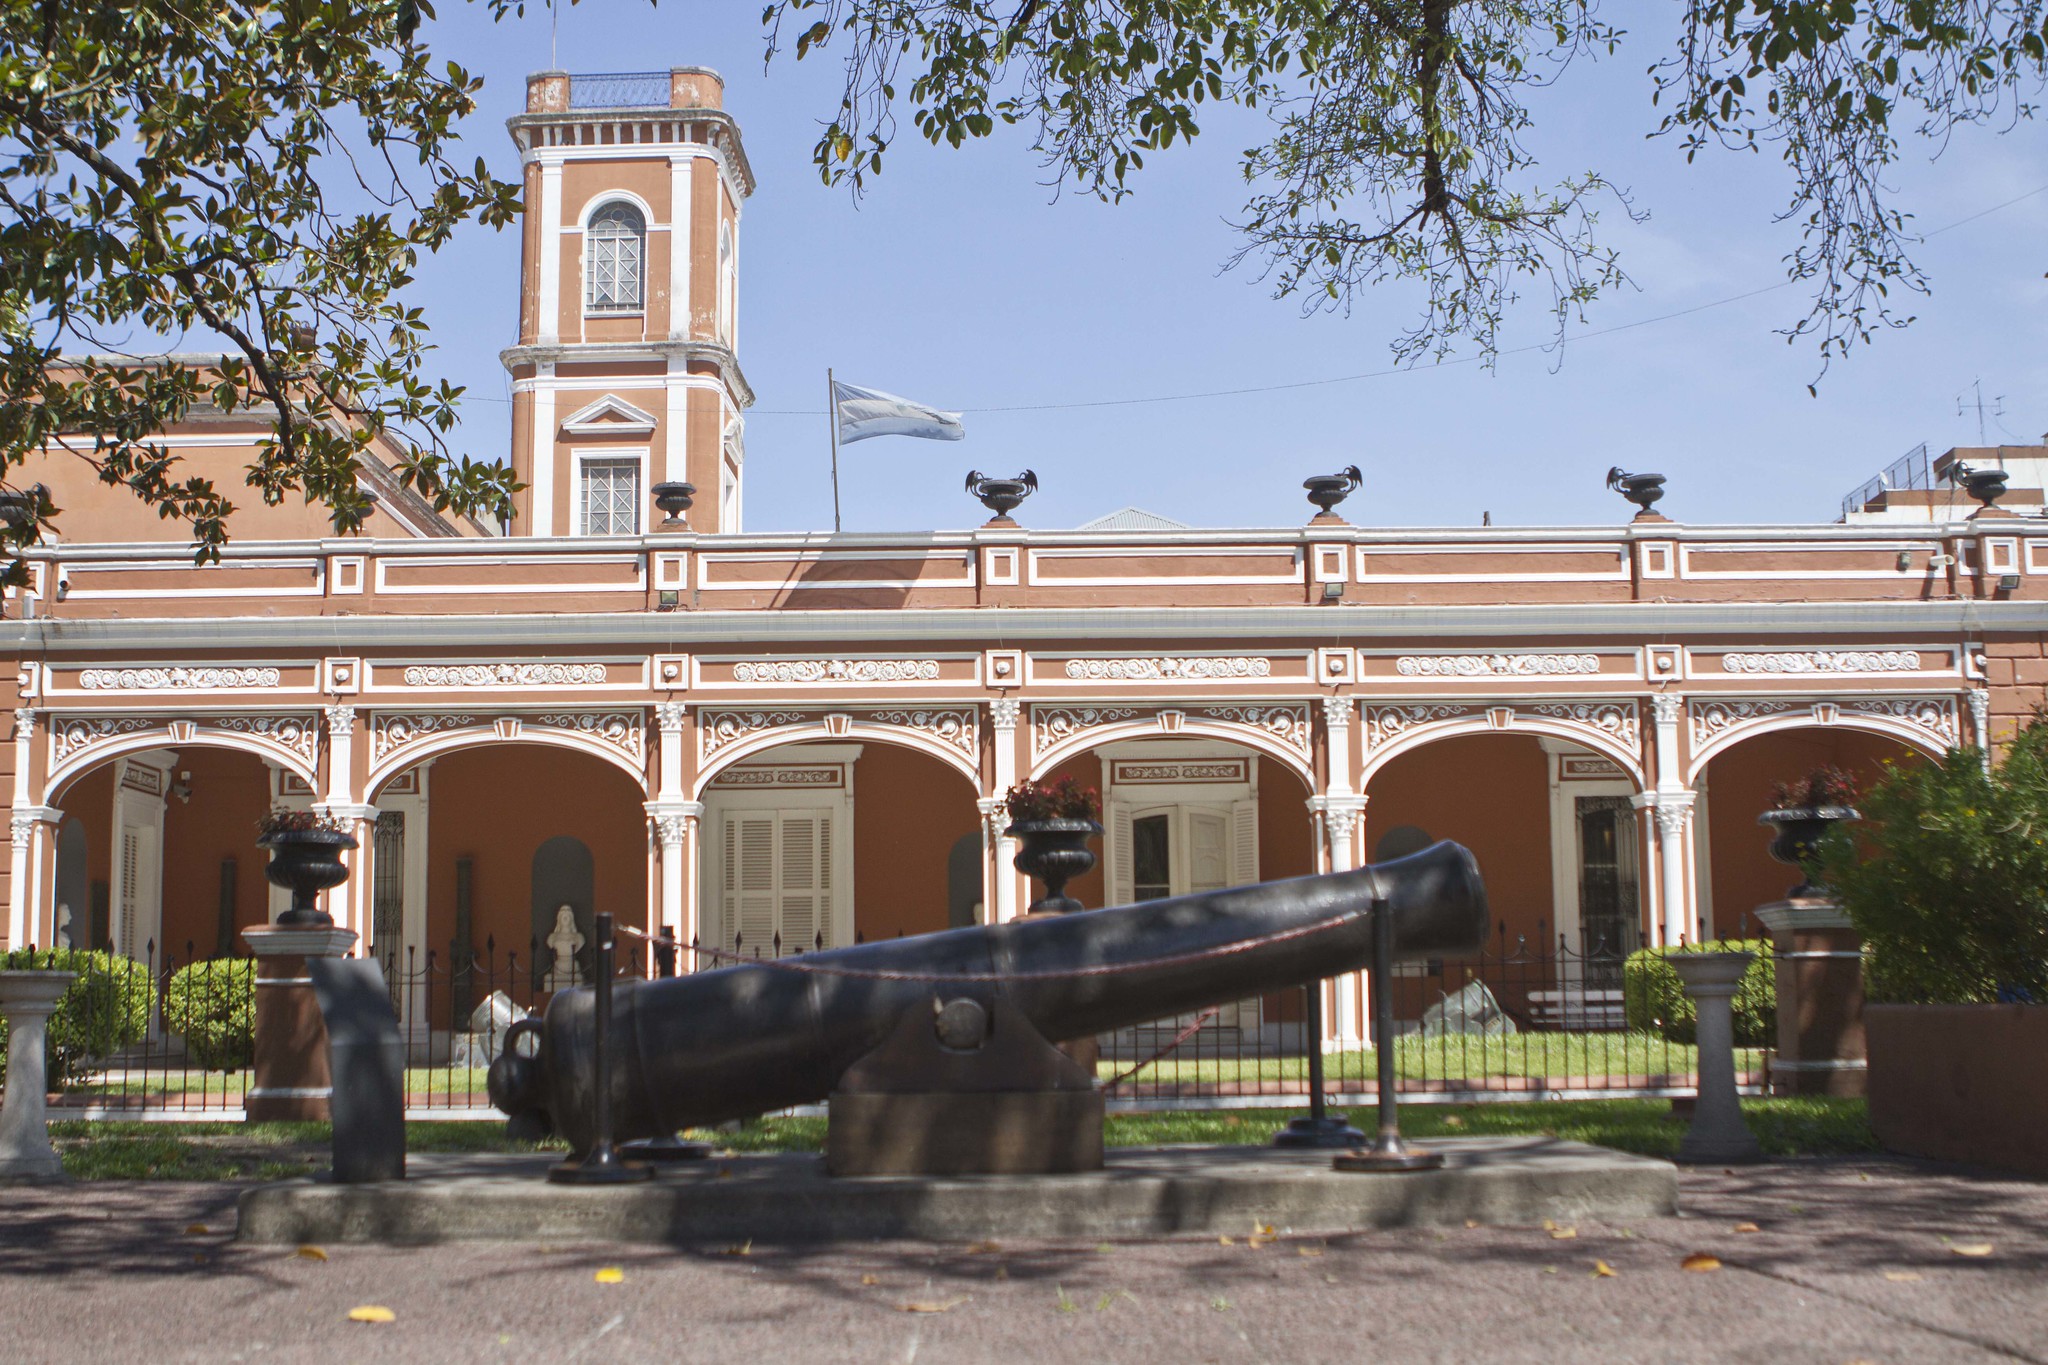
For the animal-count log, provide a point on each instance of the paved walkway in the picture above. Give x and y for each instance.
(1851, 1261)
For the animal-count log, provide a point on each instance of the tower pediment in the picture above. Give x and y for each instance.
(610, 415)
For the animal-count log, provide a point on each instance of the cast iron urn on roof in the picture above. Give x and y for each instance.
(1985, 485)
(1327, 490)
(673, 499)
(1641, 489)
(1002, 496)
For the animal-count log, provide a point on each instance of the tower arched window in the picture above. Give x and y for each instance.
(615, 256)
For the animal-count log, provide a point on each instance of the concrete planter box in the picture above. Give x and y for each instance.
(1961, 1082)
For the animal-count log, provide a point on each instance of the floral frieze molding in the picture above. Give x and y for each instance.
(174, 679)
(1495, 665)
(1199, 668)
(1825, 661)
(504, 675)
(835, 670)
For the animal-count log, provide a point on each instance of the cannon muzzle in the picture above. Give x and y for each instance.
(743, 1040)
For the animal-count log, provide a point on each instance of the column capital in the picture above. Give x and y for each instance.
(670, 715)
(674, 820)
(25, 721)
(341, 720)
(1337, 712)
(1004, 712)
(22, 828)
(1667, 707)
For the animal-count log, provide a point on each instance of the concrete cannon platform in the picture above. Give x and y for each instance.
(1143, 1192)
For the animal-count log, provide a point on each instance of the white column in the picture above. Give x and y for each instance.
(1341, 817)
(349, 902)
(1672, 800)
(540, 498)
(992, 879)
(1003, 714)
(548, 291)
(675, 819)
(675, 448)
(23, 831)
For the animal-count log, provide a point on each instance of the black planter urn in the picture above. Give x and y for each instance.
(1055, 852)
(1797, 841)
(306, 862)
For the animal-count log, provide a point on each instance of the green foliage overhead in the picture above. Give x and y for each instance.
(1655, 1001)
(1946, 876)
(211, 1004)
(1396, 145)
(106, 1008)
(262, 178)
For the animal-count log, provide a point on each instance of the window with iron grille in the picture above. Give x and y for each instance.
(614, 246)
(611, 497)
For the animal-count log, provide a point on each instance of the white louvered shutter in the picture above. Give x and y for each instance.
(750, 880)
(1244, 842)
(1118, 855)
(801, 895)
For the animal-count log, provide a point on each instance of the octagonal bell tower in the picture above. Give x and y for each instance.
(626, 373)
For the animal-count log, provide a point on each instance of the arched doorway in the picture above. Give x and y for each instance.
(156, 855)
(823, 843)
(1737, 873)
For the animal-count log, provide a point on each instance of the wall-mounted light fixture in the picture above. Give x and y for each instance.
(182, 788)
(1904, 561)
(2008, 582)
(1333, 592)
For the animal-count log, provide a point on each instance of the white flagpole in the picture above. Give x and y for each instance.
(832, 416)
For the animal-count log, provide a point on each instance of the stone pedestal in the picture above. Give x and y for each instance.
(1820, 999)
(27, 1000)
(291, 1082)
(1718, 1133)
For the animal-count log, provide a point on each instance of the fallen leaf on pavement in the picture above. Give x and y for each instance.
(371, 1312)
(1224, 1241)
(310, 1254)
(1564, 1234)
(1971, 1248)
(1602, 1270)
(1308, 1251)
(610, 1274)
(745, 1248)
(931, 1305)
(1700, 1260)
(1471, 1222)
(1747, 1227)
(196, 1229)
(870, 1279)
(1901, 1276)
(982, 1248)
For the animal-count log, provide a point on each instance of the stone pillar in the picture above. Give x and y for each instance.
(1819, 958)
(674, 824)
(1718, 1133)
(291, 1081)
(1340, 816)
(19, 906)
(26, 1001)
(1672, 800)
(1003, 714)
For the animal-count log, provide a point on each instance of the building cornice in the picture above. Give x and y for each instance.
(528, 130)
(617, 352)
(1339, 624)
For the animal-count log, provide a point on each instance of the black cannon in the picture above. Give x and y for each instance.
(744, 1040)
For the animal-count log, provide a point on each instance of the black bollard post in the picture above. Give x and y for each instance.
(1320, 1128)
(1388, 1152)
(601, 1164)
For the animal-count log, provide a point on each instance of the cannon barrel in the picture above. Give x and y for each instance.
(743, 1040)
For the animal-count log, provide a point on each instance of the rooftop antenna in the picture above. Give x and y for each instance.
(554, 26)
(1997, 407)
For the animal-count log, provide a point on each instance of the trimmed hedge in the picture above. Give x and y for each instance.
(1656, 1001)
(212, 1005)
(104, 1010)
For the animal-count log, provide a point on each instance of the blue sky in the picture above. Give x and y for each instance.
(962, 281)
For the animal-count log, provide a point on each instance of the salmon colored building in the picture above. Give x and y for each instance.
(773, 741)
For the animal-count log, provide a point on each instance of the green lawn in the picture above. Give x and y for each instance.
(96, 1150)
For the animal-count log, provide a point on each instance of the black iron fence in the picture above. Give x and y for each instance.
(174, 1036)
